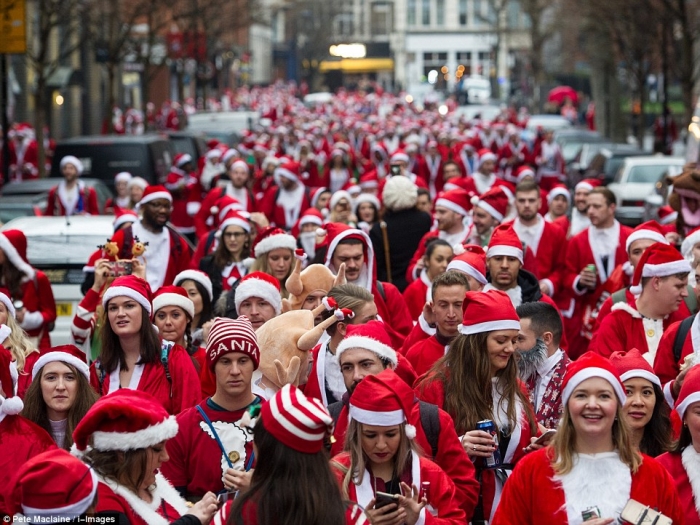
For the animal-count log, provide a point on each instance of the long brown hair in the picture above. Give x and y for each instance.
(465, 372)
(223, 257)
(35, 408)
(126, 468)
(111, 353)
(11, 278)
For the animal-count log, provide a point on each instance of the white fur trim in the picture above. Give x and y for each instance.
(644, 374)
(445, 203)
(368, 265)
(689, 400)
(399, 157)
(11, 406)
(625, 307)
(666, 269)
(125, 291)
(235, 221)
(281, 240)
(691, 463)
(375, 417)
(583, 185)
(199, 277)
(186, 157)
(504, 249)
(283, 172)
(588, 373)
(310, 219)
(367, 343)
(10, 308)
(644, 234)
(174, 299)
(144, 438)
(71, 511)
(410, 431)
(157, 195)
(688, 243)
(490, 210)
(489, 326)
(329, 303)
(5, 332)
(555, 192)
(258, 288)
(487, 156)
(467, 269)
(193, 208)
(671, 217)
(13, 255)
(75, 161)
(65, 357)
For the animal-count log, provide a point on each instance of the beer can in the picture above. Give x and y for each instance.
(591, 268)
(425, 490)
(490, 427)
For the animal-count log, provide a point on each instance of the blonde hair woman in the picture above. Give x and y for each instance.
(591, 467)
(14, 339)
(273, 251)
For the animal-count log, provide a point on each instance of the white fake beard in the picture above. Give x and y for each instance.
(529, 360)
(308, 243)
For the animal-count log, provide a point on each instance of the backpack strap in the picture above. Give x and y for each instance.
(380, 289)
(681, 335)
(209, 241)
(430, 421)
(620, 296)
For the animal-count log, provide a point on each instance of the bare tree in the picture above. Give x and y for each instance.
(540, 31)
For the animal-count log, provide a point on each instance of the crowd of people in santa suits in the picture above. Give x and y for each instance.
(362, 294)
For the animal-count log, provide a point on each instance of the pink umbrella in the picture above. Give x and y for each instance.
(560, 93)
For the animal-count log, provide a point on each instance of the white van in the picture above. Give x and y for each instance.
(477, 88)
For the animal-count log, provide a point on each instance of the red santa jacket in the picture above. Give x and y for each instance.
(275, 212)
(86, 205)
(24, 380)
(176, 394)
(411, 272)
(40, 306)
(675, 463)
(430, 170)
(424, 354)
(353, 515)
(665, 365)
(531, 497)
(415, 295)
(442, 497)
(187, 196)
(203, 222)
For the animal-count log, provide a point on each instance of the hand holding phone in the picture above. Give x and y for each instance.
(383, 499)
(546, 437)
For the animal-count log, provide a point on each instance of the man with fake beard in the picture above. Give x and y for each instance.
(541, 363)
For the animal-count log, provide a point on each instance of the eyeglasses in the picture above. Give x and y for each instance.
(234, 235)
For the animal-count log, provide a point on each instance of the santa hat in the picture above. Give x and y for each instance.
(666, 214)
(214, 153)
(486, 154)
(488, 311)
(10, 403)
(138, 181)
(232, 335)
(122, 216)
(272, 238)
(493, 201)
(558, 190)
(399, 193)
(470, 260)
(316, 193)
(338, 196)
(337, 152)
(198, 277)
(504, 241)
(299, 422)
(352, 188)
(649, 230)
(367, 197)
(75, 161)
(690, 391)
(399, 156)
(132, 287)
(457, 200)
(240, 164)
(155, 192)
(658, 260)
(14, 244)
(53, 487)
(370, 336)
(69, 354)
(234, 218)
(181, 159)
(270, 160)
(686, 247)
(289, 170)
(631, 364)
(587, 184)
(586, 367)
(222, 206)
(229, 154)
(173, 296)
(378, 148)
(332, 233)
(309, 216)
(524, 171)
(125, 420)
(6, 299)
(369, 180)
(382, 400)
(262, 286)
(123, 176)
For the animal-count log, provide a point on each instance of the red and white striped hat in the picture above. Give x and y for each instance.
(299, 422)
(232, 335)
(173, 296)
(125, 420)
(456, 200)
(504, 241)
(69, 354)
(198, 277)
(658, 260)
(488, 311)
(132, 287)
(587, 366)
(155, 192)
(632, 364)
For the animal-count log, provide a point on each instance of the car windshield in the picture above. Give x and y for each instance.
(45, 250)
(570, 150)
(647, 174)
(184, 145)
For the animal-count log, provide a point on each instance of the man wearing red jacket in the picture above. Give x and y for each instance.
(361, 354)
(71, 197)
(283, 202)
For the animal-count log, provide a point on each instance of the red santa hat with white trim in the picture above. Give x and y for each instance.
(13, 243)
(132, 287)
(123, 176)
(504, 241)
(556, 191)
(124, 420)
(588, 366)
(234, 218)
(690, 391)
(587, 184)
(123, 216)
(649, 230)
(399, 156)
(524, 171)
(383, 400)
(331, 233)
(299, 422)
(10, 402)
(309, 216)
(155, 192)
(658, 260)
(197, 276)
(316, 194)
(666, 214)
(369, 180)
(272, 238)
(686, 246)
(631, 364)
(486, 154)
(289, 170)
(370, 336)
(262, 286)
(181, 159)
(493, 201)
(52, 486)
(6, 300)
(469, 259)
(488, 311)
(69, 354)
(173, 296)
(457, 200)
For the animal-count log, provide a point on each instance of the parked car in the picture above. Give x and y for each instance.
(607, 161)
(635, 180)
(15, 206)
(476, 88)
(194, 144)
(572, 140)
(547, 122)
(36, 192)
(659, 194)
(103, 156)
(576, 170)
(60, 247)
(224, 126)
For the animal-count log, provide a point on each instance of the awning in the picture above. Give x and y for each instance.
(64, 76)
(357, 65)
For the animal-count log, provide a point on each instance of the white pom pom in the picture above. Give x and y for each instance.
(214, 210)
(474, 200)
(5, 332)
(410, 431)
(248, 262)
(458, 249)
(339, 315)
(12, 406)
(320, 232)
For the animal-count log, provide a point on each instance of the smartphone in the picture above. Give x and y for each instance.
(395, 169)
(383, 499)
(224, 497)
(546, 437)
(119, 268)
